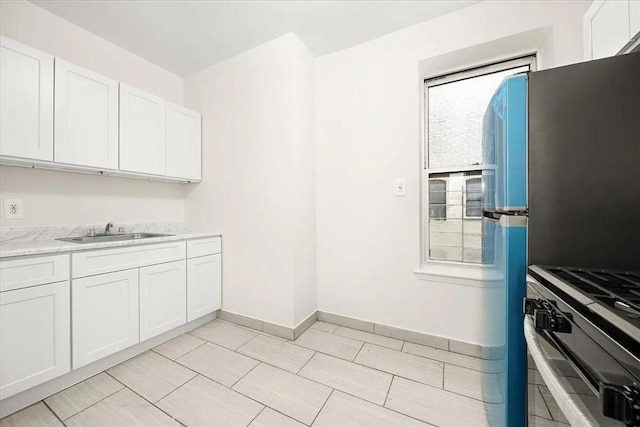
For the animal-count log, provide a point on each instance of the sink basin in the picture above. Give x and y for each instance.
(113, 237)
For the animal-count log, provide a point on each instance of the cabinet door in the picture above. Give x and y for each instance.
(26, 102)
(183, 143)
(204, 285)
(609, 28)
(86, 117)
(143, 143)
(163, 298)
(634, 19)
(105, 315)
(36, 343)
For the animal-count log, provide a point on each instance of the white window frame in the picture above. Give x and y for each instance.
(439, 270)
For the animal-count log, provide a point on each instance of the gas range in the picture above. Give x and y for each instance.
(592, 317)
(609, 299)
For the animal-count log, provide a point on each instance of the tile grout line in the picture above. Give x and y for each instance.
(157, 407)
(401, 413)
(402, 348)
(188, 352)
(388, 390)
(333, 389)
(257, 415)
(546, 405)
(358, 353)
(322, 407)
(195, 376)
(239, 379)
(93, 404)
(125, 387)
(305, 364)
(52, 411)
(444, 369)
(305, 378)
(419, 382)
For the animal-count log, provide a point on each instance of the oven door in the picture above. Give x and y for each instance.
(565, 366)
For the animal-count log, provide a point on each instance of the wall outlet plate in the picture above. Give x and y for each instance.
(13, 209)
(401, 190)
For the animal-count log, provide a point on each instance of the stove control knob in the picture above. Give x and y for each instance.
(621, 403)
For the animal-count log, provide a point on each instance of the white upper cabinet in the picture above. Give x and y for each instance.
(143, 143)
(101, 125)
(609, 26)
(634, 18)
(26, 102)
(183, 143)
(86, 117)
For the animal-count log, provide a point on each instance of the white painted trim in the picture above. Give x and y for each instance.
(63, 167)
(475, 275)
(471, 71)
(587, 43)
(269, 327)
(537, 42)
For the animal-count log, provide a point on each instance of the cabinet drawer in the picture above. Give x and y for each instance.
(202, 247)
(104, 261)
(25, 272)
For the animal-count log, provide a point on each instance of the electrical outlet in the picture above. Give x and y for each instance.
(400, 188)
(13, 209)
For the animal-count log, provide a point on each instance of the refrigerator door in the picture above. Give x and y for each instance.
(504, 145)
(505, 247)
(584, 138)
(505, 393)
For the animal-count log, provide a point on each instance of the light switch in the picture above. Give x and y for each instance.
(400, 188)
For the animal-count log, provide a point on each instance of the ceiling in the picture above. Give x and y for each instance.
(187, 36)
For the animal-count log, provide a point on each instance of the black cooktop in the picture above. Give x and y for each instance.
(618, 290)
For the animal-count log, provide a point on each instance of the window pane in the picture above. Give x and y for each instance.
(474, 197)
(437, 198)
(455, 228)
(455, 113)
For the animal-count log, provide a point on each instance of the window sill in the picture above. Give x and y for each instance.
(460, 274)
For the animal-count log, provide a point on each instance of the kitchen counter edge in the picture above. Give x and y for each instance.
(20, 248)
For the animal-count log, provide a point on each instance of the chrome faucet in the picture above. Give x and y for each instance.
(107, 229)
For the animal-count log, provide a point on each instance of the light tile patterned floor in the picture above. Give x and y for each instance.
(226, 375)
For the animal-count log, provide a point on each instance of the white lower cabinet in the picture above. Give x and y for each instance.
(35, 342)
(47, 329)
(163, 298)
(204, 285)
(105, 315)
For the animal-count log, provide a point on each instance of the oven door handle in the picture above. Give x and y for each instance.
(571, 407)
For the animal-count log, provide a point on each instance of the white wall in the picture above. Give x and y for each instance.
(63, 198)
(367, 134)
(257, 183)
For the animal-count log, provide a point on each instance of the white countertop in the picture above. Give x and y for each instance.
(15, 248)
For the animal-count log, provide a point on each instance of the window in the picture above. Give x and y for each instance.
(456, 172)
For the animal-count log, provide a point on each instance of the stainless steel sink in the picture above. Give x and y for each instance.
(113, 237)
